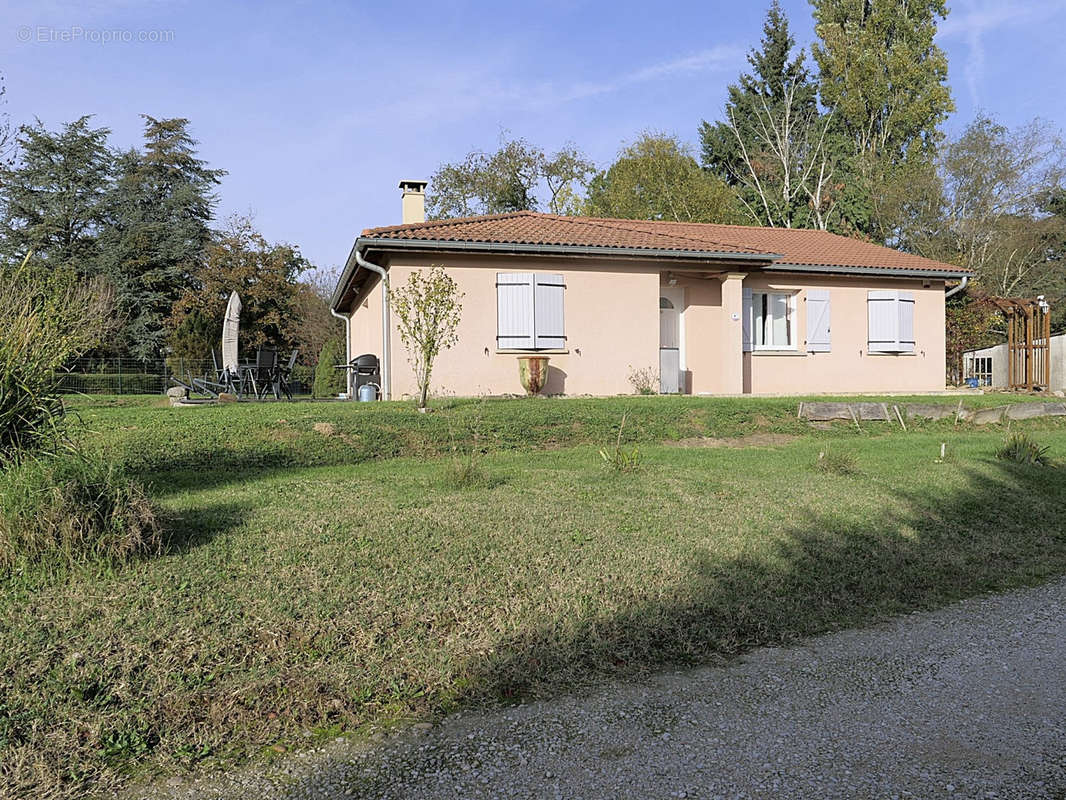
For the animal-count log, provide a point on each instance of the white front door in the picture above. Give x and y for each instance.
(671, 336)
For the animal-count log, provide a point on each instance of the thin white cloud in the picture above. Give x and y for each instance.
(970, 20)
(460, 92)
(712, 59)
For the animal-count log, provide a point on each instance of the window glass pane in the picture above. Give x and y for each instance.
(779, 311)
(758, 302)
(771, 319)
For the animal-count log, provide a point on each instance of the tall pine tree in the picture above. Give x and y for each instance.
(771, 132)
(161, 209)
(53, 197)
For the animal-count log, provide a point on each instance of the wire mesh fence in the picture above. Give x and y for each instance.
(132, 376)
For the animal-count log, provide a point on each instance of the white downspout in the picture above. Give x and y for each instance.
(386, 340)
(962, 285)
(347, 349)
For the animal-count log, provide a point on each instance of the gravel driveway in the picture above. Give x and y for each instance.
(968, 701)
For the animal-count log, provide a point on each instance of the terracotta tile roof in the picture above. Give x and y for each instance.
(781, 246)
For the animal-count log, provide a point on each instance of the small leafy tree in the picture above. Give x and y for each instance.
(428, 310)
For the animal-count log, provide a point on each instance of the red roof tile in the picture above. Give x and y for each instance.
(781, 245)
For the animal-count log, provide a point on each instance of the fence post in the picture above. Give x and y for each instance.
(119, 362)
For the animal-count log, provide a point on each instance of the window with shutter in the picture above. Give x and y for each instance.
(514, 310)
(818, 337)
(529, 311)
(548, 312)
(891, 321)
(771, 321)
(906, 322)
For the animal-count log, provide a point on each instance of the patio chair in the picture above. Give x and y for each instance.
(282, 377)
(263, 374)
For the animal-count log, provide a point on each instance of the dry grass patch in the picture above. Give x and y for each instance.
(751, 440)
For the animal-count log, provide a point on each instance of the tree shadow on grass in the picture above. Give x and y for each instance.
(193, 528)
(1005, 528)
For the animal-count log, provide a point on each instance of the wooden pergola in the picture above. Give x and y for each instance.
(1028, 341)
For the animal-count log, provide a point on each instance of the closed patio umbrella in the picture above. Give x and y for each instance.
(230, 328)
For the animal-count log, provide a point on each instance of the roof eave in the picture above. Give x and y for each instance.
(365, 243)
(533, 248)
(900, 272)
(769, 261)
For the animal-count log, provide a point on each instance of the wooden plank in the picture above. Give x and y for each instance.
(1029, 349)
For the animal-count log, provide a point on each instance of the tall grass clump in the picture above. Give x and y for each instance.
(56, 502)
(47, 320)
(464, 469)
(1022, 449)
(619, 458)
(71, 508)
(835, 462)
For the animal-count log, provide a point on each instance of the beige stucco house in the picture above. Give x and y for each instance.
(714, 309)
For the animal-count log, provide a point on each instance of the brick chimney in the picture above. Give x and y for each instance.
(414, 201)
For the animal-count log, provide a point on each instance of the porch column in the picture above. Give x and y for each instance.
(731, 338)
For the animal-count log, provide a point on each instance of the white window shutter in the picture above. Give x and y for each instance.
(906, 322)
(746, 315)
(818, 338)
(883, 336)
(548, 322)
(891, 322)
(514, 310)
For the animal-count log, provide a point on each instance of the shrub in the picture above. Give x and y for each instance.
(329, 382)
(836, 462)
(644, 381)
(47, 321)
(1021, 449)
(73, 508)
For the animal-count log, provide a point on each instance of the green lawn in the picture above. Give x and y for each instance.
(317, 580)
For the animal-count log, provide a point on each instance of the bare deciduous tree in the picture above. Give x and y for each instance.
(997, 183)
(785, 163)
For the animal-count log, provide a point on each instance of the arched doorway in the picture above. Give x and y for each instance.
(670, 340)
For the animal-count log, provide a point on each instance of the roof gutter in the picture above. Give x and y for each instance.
(386, 339)
(962, 285)
(885, 271)
(347, 347)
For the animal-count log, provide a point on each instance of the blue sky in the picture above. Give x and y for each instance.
(318, 109)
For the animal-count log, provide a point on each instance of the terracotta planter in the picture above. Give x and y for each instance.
(533, 373)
